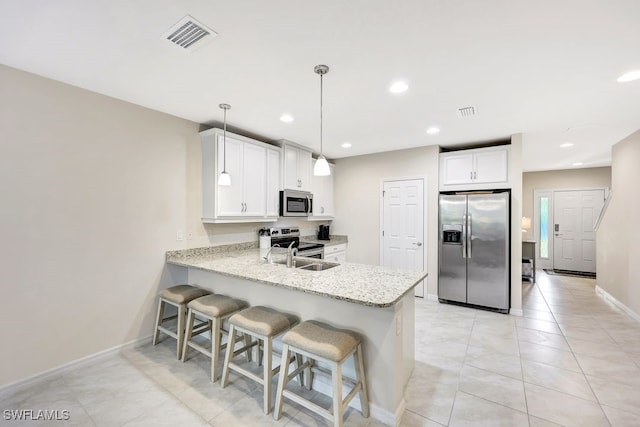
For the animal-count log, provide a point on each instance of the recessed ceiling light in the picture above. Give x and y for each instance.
(566, 145)
(398, 87)
(346, 145)
(629, 77)
(433, 130)
(578, 164)
(287, 118)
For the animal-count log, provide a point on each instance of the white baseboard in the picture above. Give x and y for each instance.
(432, 297)
(381, 415)
(24, 383)
(606, 295)
(516, 312)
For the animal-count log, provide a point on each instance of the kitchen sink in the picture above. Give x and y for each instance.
(311, 264)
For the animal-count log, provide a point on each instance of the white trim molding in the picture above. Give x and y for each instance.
(606, 295)
(24, 383)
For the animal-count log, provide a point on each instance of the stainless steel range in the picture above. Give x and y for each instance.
(282, 237)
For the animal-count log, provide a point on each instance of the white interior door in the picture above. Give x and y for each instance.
(574, 238)
(403, 226)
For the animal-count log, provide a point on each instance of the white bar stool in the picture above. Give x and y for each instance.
(333, 347)
(263, 324)
(178, 296)
(215, 308)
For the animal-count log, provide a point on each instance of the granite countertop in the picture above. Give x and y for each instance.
(333, 239)
(357, 283)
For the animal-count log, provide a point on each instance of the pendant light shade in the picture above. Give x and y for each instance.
(321, 168)
(224, 179)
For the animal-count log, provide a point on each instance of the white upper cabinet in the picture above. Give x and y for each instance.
(254, 168)
(476, 169)
(322, 190)
(296, 167)
(273, 183)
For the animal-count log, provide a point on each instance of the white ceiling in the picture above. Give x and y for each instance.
(546, 69)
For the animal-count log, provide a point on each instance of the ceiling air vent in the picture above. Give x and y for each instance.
(467, 112)
(189, 34)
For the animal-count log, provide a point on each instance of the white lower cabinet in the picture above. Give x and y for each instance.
(336, 253)
(254, 168)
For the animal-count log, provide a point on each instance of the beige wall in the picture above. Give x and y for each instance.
(93, 191)
(566, 179)
(618, 251)
(357, 199)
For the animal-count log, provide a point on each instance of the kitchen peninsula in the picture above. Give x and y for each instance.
(374, 301)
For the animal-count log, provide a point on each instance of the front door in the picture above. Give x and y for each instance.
(574, 238)
(403, 226)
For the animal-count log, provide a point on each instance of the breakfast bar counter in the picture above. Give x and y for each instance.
(376, 302)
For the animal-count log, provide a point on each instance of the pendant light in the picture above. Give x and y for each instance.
(224, 179)
(321, 168)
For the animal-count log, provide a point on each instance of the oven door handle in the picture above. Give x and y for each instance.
(308, 206)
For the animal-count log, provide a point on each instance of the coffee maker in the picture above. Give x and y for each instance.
(323, 232)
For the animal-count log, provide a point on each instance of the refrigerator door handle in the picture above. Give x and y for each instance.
(468, 236)
(464, 236)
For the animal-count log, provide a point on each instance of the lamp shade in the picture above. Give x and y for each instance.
(526, 223)
(224, 179)
(321, 168)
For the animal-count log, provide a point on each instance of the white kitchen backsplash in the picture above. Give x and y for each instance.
(224, 234)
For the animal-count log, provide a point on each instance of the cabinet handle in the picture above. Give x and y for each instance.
(321, 209)
(471, 175)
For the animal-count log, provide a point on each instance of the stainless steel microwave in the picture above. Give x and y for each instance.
(296, 203)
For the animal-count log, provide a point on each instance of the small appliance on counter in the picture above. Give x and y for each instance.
(323, 232)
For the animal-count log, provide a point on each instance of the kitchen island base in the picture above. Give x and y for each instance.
(388, 334)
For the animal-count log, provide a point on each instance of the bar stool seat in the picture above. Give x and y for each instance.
(331, 346)
(178, 296)
(263, 324)
(215, 308)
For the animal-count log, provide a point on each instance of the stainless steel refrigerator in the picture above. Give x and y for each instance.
(474, 249)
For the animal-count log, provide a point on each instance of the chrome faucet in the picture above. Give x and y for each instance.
(291, 252)
(267, 256)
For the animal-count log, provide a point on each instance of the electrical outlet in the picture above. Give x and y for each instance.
(179, 235)
(398, 324)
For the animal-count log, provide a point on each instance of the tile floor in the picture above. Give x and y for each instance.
(572, 360)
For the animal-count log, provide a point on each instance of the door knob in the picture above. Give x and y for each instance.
(417, 244)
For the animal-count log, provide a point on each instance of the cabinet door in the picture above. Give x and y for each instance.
(255, 171)
(273, 182)
(456, 169)
(338, 257)
(491, 166)
(304, 169)
(230, 198)
(290, 167)
(322, 190)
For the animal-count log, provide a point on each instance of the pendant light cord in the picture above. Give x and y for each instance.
(224, 138)
(321, 78)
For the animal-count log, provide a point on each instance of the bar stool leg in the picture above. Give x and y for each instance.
(282, 380)
(299, 362)
(336, 377)
(363, 393)
(228, 355)
(156, 334)
(268, 374)
(188, 333)
(215, 348)
(180, 332)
